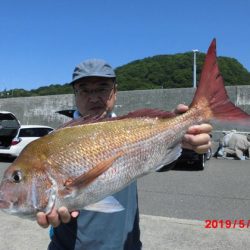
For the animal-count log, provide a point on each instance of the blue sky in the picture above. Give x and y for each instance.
(42, 40)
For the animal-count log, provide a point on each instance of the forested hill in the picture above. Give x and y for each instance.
(175, 71)
(161, 71)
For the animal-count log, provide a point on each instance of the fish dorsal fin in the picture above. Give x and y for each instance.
(140, 113)
(86, 178)
(81, 121)
(150, 113)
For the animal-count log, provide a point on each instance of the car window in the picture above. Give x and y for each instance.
(34, 132)
(9, 123)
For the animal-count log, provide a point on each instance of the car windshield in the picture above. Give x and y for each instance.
(8, 122)
(34, 132)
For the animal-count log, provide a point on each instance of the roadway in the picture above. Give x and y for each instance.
(174, 206)
(221, 191)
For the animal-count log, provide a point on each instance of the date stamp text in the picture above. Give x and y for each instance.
(227, 223)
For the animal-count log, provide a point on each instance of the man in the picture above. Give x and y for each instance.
(238, 145)
(234, 144)
(95, 91)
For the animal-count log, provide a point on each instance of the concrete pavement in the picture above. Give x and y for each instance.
(162, 233)
(158, 233)
(222, 180)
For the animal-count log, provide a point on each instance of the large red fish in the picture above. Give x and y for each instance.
(78, 165)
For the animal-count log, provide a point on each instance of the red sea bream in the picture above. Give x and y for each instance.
(80, 164)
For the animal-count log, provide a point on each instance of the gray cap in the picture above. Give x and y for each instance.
(92, 67)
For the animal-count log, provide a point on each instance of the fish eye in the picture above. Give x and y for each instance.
(17, 176)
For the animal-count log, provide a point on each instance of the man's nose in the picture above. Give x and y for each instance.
(93, 97)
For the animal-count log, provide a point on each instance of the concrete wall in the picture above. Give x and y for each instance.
(41, 110)
(38, 110)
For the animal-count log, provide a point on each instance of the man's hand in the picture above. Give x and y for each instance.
(55, 217)
(197, 137)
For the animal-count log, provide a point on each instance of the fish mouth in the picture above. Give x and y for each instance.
(4, 204)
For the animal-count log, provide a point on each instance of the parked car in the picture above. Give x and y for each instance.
(13, 137)
(190, 159)
(66, 112)
(9, 126)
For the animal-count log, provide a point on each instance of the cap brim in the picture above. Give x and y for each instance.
(94, 75)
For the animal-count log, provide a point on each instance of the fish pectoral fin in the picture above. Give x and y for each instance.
(86, 178)
(107, 205)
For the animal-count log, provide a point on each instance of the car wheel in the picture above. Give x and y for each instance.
(209, 154)
(199, 165)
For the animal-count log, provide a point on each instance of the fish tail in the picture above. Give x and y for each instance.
(211, 94)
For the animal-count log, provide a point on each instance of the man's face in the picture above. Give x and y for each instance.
(95, 96)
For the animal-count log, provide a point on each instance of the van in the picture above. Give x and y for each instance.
(9, 126)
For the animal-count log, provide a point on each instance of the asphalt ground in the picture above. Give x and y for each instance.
(174, 206)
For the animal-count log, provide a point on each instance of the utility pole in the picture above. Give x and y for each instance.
(194, 68)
